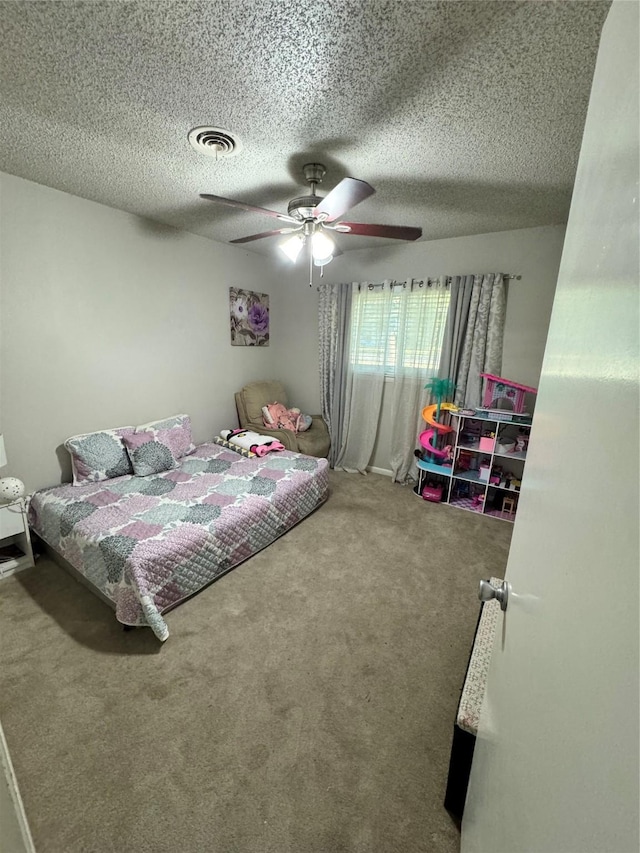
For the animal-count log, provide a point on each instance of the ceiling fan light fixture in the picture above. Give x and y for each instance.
(321, 262)
(322, 247)
(292, 247)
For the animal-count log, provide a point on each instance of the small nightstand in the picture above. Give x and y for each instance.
(14, 537)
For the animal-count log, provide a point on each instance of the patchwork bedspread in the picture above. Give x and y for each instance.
(148, 543)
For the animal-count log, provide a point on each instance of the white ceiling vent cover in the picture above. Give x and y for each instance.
(214, 142)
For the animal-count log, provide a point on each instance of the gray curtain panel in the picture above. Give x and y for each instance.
(334, 310)
(456, 329)
(482, 348)
(364, 378)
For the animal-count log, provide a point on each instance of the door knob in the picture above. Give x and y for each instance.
(487, 592)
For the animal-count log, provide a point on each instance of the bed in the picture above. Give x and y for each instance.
(149, 543)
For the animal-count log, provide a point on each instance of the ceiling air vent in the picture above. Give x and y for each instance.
(214, 142)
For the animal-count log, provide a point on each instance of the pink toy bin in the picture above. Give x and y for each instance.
(432, 493)
(487, 443)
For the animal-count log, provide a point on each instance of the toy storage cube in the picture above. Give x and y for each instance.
(487, 443)
(483, 473)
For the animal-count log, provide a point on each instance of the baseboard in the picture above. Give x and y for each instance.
(13, 810)
(386, 472)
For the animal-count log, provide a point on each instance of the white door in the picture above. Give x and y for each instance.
(556, 762)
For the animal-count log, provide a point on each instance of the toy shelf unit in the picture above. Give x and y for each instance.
(488, 466)
(484, 471)
(481, 471)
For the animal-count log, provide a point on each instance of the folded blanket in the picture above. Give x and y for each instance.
(253, 441)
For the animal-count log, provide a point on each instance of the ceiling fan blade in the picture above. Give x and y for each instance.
(395, 232)
(264, 234)
(348, 193)
(252, 208)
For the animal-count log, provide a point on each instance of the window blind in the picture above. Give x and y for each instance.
(399, 332)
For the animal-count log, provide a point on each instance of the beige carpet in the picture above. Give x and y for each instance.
(302, 704)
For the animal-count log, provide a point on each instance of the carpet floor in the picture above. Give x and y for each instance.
(303, 703)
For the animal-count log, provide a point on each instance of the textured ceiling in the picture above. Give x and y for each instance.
(465, 116)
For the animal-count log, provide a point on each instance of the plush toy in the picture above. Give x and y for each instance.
(277, 416)
(304, 421)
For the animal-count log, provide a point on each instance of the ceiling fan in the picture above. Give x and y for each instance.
(311, 218)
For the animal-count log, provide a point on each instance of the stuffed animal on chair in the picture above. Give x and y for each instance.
(277, 416)
(304, 421)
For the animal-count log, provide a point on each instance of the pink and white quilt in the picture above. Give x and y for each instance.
(148, 543)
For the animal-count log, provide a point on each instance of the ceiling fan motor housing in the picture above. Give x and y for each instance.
(303, 207)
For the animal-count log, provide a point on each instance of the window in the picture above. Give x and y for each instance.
(399, 331)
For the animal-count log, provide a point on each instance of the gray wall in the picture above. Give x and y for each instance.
(533, 253)
(107, 319)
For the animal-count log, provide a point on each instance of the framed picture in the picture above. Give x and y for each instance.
(249, 318)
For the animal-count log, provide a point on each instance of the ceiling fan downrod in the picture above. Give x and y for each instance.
(302, 208)
(313, 174)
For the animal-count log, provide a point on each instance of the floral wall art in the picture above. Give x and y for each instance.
(249, 318)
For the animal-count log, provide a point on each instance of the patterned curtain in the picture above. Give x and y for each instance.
(334, 309)
(370, 332)
(482, 349)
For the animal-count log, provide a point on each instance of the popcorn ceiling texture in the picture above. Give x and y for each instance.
(465, 116)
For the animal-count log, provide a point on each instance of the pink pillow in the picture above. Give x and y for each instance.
(175, 432)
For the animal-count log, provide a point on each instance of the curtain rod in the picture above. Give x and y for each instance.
(429, 281)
